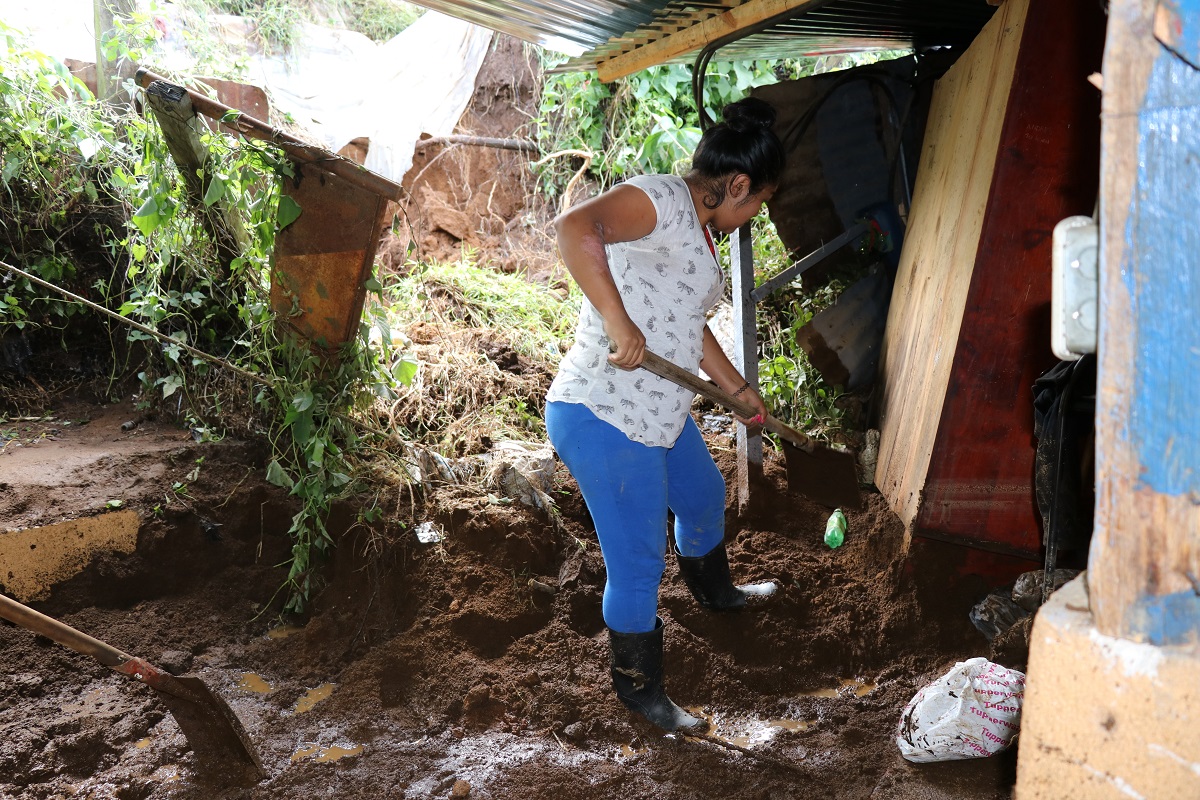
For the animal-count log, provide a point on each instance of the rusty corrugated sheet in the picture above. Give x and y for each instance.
(596, 30)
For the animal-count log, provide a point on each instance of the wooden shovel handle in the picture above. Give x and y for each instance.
(60, 632)
(710, 391)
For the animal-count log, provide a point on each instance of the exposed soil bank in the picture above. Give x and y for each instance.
(439, 670)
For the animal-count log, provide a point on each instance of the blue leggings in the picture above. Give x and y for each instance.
(628, 487)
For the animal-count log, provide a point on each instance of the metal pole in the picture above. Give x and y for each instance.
(749, 446)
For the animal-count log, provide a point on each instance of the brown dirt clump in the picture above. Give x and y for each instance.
(469, 197)
(477, 666)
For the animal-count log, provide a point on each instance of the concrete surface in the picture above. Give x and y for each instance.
(1104, 717)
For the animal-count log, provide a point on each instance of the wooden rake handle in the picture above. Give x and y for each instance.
(655, 363)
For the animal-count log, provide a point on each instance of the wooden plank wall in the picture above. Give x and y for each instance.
(962, 137)
(979, 488)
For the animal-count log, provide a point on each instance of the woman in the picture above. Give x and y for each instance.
(642, 254)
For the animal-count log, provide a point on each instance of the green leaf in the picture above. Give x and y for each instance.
(373, 285)
(215, 191)
(405, 370)
(12, 166)
(303, 401)
(277, 477)
(289, 212)
(171, 384)
(302, 428)
(147, 218)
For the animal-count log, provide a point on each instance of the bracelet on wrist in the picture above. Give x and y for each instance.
(742, 388)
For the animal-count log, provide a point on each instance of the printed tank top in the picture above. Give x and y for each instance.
(668, 281)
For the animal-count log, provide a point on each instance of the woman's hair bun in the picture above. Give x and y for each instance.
(749, 113)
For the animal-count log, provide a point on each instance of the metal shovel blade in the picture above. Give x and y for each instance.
(815, 470)
(825, 476)
(212, 729)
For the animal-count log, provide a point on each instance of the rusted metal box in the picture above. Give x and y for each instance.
(324, 258)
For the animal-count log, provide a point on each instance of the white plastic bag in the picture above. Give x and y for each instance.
(972, 711)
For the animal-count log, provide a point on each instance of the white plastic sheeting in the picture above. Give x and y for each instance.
(60, 28)
(337, 84)
(340, 85)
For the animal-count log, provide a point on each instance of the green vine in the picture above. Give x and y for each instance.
(92, 201)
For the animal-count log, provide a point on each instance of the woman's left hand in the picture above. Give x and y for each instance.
(751, 397)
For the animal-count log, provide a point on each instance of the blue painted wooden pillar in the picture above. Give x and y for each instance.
(1144, 565)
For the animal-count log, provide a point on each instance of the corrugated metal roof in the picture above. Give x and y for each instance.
(595, 31)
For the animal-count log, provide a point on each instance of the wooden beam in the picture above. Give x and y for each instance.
(111, 74)
(697, 36)
(176, 117)
(962, 139)
(300, 151)
(1144, 564)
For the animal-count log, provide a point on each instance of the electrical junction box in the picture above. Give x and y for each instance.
(1075, 288)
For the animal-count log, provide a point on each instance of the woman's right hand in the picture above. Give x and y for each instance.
(627, 342)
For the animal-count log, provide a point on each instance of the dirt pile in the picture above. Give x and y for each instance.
(483, 199)
(477, 664)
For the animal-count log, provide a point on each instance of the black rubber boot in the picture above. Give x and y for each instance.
(708, 578)
(637, 677)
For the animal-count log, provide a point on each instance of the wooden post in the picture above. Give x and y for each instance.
(111, 74)
(1144, 564)
(173, 109)
(749, 447)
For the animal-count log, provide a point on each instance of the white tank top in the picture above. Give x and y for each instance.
(668, 281)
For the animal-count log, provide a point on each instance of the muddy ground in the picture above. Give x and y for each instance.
(476, 666)
(440, 670)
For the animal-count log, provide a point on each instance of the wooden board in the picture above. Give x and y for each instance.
(697, 34)
(957, 437)
(962, 136)
(979, 482)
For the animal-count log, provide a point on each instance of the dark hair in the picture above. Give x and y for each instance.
(744, 143)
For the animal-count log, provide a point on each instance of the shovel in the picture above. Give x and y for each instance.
(214, 732)
(824, 475)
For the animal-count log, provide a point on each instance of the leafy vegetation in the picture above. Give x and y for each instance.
(379, 20)
(276, 23)
(94, 203)
(489, 343)
(644, 123)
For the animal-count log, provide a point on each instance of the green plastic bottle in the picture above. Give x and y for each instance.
(835, 529)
